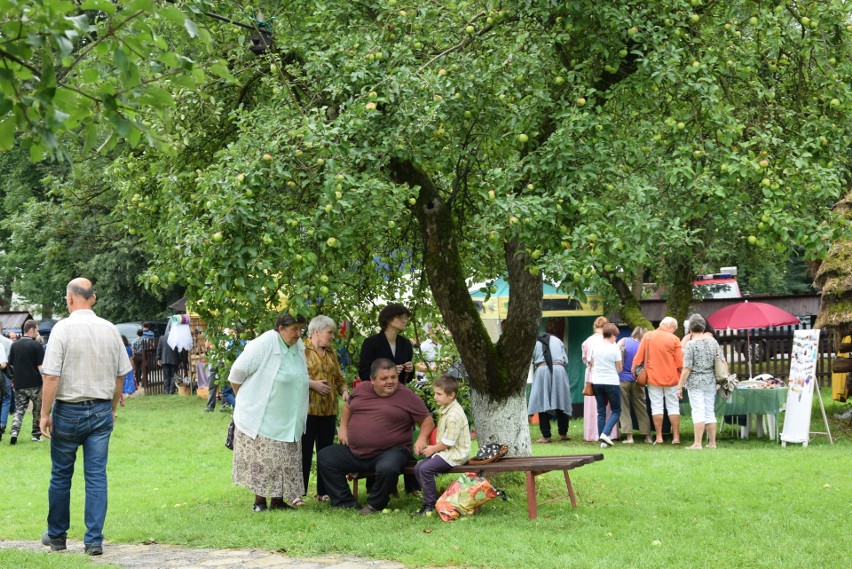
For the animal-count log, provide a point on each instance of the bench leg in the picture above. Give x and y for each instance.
(532, 505)
(355, 488)
(570, 490)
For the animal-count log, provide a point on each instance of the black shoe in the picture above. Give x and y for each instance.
(425, 511)
(259, 507)
(55, 543)
(368, 510)
(94, 550)
(13, 438)
(36, 439)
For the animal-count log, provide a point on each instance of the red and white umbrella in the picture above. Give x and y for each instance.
(747, 315)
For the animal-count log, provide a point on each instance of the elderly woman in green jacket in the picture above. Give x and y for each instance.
(270, 380)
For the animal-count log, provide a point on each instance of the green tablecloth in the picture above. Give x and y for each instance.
(745, 402)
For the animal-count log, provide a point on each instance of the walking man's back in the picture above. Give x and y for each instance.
(84, 368)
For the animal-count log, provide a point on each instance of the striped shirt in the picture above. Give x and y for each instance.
(87, 354)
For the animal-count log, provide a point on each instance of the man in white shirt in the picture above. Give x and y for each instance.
(84, 368)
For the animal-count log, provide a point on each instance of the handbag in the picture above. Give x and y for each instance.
(588, 390)
(229, 440)
(720, 367)
(641, 376)
(489, 453)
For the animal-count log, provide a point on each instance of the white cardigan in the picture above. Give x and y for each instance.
(259, 361)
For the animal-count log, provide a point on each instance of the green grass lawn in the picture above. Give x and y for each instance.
(749, 503)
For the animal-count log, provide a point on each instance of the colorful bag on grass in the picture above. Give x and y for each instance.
(465, 496)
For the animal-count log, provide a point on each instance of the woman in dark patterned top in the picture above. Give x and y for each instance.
(699, 377)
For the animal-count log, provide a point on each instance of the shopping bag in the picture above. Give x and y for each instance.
(465, 496)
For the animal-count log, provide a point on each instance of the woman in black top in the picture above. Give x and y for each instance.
(389, 344)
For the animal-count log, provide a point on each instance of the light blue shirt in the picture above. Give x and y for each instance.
(264, 402)
(282, 421)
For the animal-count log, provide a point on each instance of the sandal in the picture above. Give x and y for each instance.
(544, 440)
(296, 503)
(324, 498)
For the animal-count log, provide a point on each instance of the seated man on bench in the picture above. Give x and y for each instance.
(376, 429)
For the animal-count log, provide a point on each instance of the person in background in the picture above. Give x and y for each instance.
(390, 344)
(270, 380)
(590, 404)
(138, 347)
(632, 394)
(452, 443)
(550, 393)
(326, 382)
(376, 432)
(169, 359)
(26, 357)
(129, 387)
(606, 365)
(661, 354)
(217, 379)
(6, 394)
(432, 351)
(84, 368)
(699, 376)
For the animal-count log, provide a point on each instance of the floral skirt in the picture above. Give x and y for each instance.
(268, 468)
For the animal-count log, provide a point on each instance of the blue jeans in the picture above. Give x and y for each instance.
(6, 403)
(87, 424)
(228, 397)
(604, 393)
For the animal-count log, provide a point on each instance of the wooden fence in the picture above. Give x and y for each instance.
(150, 374)
(770, 350)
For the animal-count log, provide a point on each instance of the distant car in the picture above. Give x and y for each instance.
(128, 329)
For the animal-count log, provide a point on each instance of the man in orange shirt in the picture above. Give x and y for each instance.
(661, 354)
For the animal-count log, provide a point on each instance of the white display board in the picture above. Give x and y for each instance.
(800, 395)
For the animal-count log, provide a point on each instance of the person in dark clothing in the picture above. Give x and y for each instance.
(170, 359)
(390, 344)
(26, 357)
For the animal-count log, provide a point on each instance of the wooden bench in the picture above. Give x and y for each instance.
(531, 466)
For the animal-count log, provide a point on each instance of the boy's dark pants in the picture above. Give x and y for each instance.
(425, 471)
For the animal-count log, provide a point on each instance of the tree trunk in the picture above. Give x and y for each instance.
(630, 310)
(680, 295)
(492, 424)
(498, 372)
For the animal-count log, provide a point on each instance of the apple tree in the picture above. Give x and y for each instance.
(387, 146)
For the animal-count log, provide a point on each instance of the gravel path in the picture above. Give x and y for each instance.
(157, 556)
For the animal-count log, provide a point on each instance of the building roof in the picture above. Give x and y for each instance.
(14, 319)
(802, 306)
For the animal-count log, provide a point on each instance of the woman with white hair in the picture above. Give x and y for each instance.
(325, 382)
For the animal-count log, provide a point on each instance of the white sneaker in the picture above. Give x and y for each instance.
(604, 445)
(606, 440)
